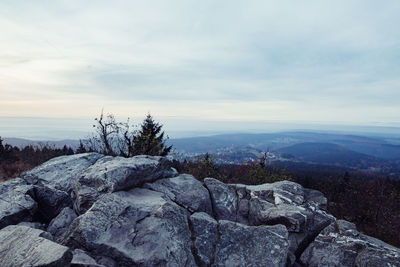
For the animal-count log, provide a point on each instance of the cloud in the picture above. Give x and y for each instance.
(285, 60)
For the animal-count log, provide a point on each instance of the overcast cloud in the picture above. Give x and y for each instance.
(332, 61)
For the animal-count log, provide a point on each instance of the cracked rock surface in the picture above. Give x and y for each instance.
(112, 211)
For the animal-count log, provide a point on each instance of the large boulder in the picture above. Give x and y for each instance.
(205, 236)
(301, 210)
(24, 246)
(112, 174)
(61, 172)
(59, 225)
(50, 202)
(16, 203)
(340, 244)
(241, 245)
(185, 190)
(223, 198)
(137, 227)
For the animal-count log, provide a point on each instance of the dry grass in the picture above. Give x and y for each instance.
(12, 170)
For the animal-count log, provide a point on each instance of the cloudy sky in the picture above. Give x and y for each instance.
(308, 61)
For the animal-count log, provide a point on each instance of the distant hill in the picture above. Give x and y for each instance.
(20, 142)
(373, 146)
(327, 153)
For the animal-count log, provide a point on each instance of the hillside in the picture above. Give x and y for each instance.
(326, 153)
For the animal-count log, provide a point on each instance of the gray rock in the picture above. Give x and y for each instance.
(316, 199)
(59, 225)
(223, 198)
(112, 174)
(205, 233)
(284, 202)
(24, 246)
(82, 259)
(61, 172)
(186, 191)
(340, 244)
(50, 202)
(241, 245)
(138, 227)
(16, 204)
(283, 192)
(34, 225)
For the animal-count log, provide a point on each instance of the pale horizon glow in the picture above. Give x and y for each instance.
(334, 62)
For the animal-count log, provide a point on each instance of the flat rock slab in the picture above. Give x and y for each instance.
(61, 172)
(185, 190)
(16, 204)
(242, 245)
(137, 227)
(24, 246)
(113, 174)
(340, 244)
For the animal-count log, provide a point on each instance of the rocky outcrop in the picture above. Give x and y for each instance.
(61, 173)
(91, 210)
(111, 174)
(341, 244)
(16, 204)
(24, 246)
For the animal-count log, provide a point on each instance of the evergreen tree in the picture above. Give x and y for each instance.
(1, 148)
(81, 149)
(150, 139)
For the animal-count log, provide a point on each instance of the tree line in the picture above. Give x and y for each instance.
(110, 137)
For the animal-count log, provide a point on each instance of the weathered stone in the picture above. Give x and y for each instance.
(61, 172)
(112, 174)
(138, 227)
(16, 204)
(340, 244)
(34, 225)
(59, 225)
(223, 199)
(205, 234)
(82, 259)
(24, 246)
(316, 199)
(259, 211)
(283, 192)
(241, 245)
(293, 217)
(186, 191)
(50, 202)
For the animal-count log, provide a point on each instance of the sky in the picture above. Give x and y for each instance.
(211, 62)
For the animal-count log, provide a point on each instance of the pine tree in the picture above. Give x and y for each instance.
(81, 149)
(150, 139)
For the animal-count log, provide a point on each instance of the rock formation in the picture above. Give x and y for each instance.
(93, 210)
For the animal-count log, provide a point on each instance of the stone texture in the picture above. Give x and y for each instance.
(50, 202)
(82, 259)
(241, 245)
(16, 204)
(340, 244)
(185, 190)
(223, 198)
(138, 227)
(24, 246)
(112, 174)
(34, 225)
(205, 232)
(59, 225)
(61, 172)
